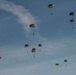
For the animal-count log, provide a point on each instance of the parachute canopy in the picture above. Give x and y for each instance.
(33, 50)
(65, 60)
(26, 45)
(72, 20)
(57, 64)
(32, 25)
(50, 5)
(39, 45)
(71, 14)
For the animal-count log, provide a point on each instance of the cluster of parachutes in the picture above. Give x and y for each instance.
(33, 50)
(57, 64)
(71, 14)
(72, 20)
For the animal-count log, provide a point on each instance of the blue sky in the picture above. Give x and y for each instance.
(54, 32)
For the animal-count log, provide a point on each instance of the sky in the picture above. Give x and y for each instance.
(54, 32)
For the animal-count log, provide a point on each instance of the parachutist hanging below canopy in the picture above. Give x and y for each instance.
(65, 62)
(32, 26)
(51, 6)
(71, 14)
(40, 45)
(33, 51)
(72, 21)
(57, 64)
(27, 45)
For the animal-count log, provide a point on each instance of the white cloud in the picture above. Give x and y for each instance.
(23, 15)
(48, 51)
(42, 68)
(42, 64)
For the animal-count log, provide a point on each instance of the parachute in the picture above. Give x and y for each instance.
(65, 62)
(57, 64)
(71, 20)
(71, 14)
(51, 6)
(39, 45)
(26, 45)
(32, 25)
(33, 51)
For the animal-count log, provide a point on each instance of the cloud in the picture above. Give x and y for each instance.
(42, 68)
(16, 61)
(23, 15)
(25, 18)
(49, 51)
(36, 66)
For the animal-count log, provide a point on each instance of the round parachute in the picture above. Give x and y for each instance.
(71, 14)
(50, 5)
(65, 60)
(32, 25)
(39, 45)
(72, 20)
(57, 64)
(33, 50)
(26, 45)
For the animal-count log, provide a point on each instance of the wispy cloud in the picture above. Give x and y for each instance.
(48, 51)
(23, 15)
(17, 62)
(41, 68)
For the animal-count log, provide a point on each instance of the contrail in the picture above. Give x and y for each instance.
(23, 15)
